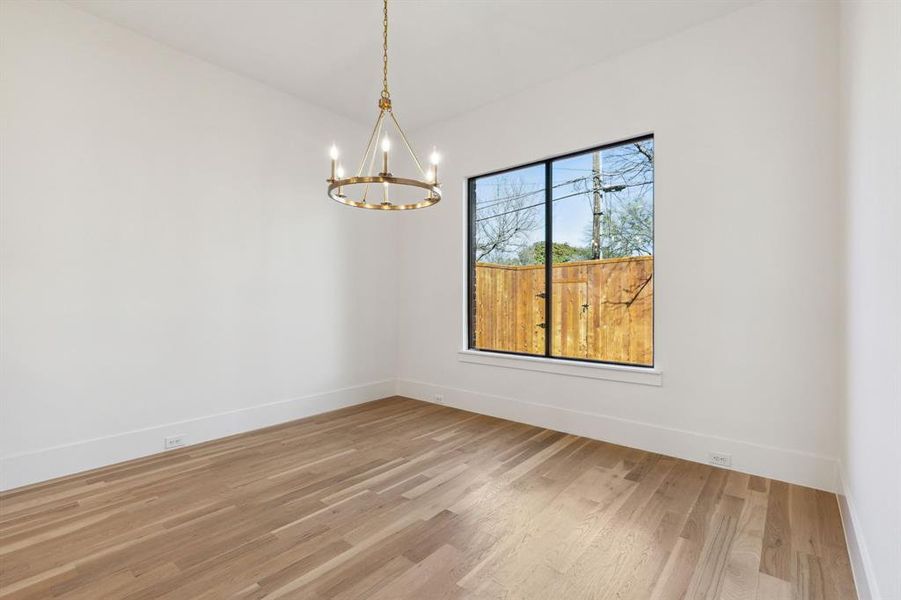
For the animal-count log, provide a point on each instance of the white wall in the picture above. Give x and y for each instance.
(168, 251)
(871, 457)
(748, 265)
(170, 264)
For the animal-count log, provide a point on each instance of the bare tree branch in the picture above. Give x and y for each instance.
(503, 224)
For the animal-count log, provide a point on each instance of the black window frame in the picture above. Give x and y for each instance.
(548, 255)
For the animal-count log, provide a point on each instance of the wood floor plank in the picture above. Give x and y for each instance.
(399, 499)
(772, 588)
(777, 536)
(708, 579)
(743, 563)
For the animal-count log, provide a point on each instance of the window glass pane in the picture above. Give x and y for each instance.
(508, 251)
(602, 300)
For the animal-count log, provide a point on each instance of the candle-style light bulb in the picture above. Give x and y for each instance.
(430, 178)
(339, 171)
(386, 146)
(333, 152)
(435, 158)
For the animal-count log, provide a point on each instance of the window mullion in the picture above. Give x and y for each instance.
(471, 264)
(548, 256)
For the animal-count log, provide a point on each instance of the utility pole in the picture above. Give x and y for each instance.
(597, 205)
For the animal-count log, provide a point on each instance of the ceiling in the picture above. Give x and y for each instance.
(446, 56)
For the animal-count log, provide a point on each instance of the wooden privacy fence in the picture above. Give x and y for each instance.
(601, 309)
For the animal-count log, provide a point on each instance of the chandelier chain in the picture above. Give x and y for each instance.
(385, 94)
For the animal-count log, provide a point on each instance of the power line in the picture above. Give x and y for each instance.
(496, 201)
(553, 200)
(528, 207)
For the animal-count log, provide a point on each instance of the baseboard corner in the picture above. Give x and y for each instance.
(861, 565)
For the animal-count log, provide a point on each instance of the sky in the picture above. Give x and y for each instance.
(572, 209)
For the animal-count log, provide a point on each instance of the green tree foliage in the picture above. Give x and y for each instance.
(562, 252)
(628, 227)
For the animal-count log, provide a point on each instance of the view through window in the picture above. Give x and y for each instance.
(562, 256)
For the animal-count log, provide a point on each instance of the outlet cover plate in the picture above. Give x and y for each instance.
(174, 441)
(720, 460)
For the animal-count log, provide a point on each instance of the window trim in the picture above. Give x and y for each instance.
(589, 369)
(487, 356)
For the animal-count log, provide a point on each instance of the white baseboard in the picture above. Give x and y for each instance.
(861, 565)
(783, 464)
(777, 463)
(40, 465)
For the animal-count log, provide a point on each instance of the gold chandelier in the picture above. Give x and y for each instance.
(339, 184)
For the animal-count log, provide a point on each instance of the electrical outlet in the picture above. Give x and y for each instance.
(439, 398)
(174, 441)
(721, 460)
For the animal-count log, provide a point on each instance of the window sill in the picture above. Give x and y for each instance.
(571, 368)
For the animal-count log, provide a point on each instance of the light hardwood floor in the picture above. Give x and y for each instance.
(404, 499)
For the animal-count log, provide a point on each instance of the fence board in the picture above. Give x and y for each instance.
(602, 309)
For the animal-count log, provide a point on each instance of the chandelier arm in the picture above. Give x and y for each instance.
(372, 138)
(403, 136)
(378, 134)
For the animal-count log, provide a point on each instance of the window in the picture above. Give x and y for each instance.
(561, 257)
